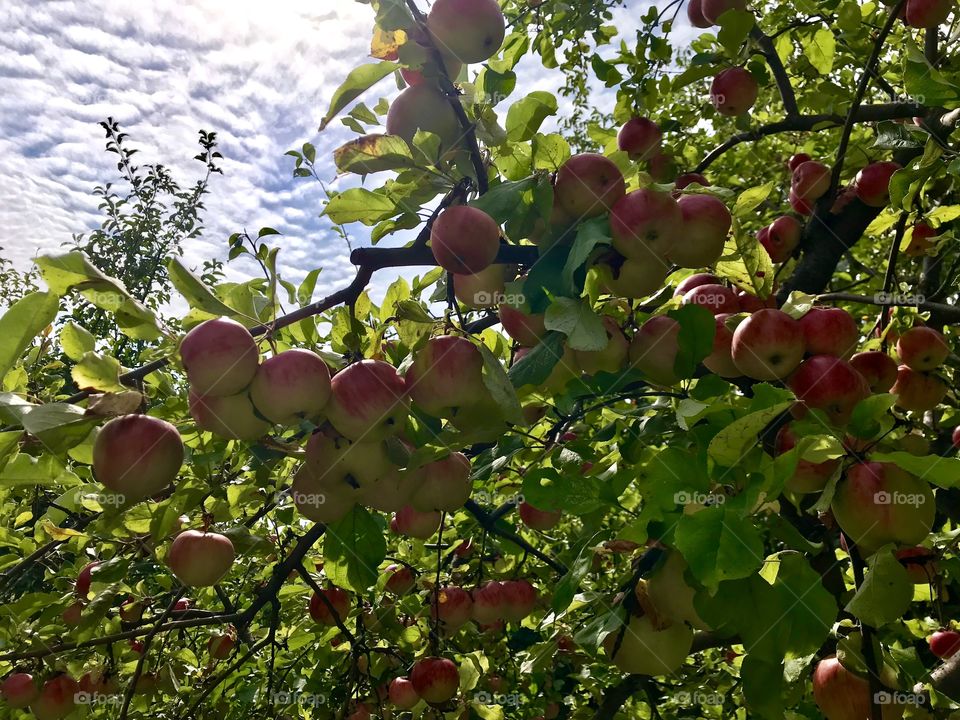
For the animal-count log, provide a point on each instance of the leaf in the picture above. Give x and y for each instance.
(750, 200)
(746, 263)
(535, 367)
(358, 82)
(197, 294)
(764, 688)
(735, 25)
(886, 592)
(549, 151)
(526, 115)
(112, 404)
(923, 82)
(353, 549)
(58, 426)
(590, 234)
(695, 339)
(819, 49)
(97, 372)
(719, 545)
(549, 489)
(373, 153)
(25, 319)
(75, 340)
(941, 471)
(730, 444)
(359, 205)
(501, 201)
(496, 380)
(577, 320)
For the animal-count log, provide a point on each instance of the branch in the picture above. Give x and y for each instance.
(950, 313)
(779, 71)
(490, 525)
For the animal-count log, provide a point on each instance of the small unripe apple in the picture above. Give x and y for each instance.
(220, 357)
(200, 559)
(537, 519)
(588, 185)
(645, 222)
(402, 694)
(56, 699)
(291, 385)
(137, 456)
(416, 524)
(435, 679)
(768, 345)
(470, 30)
(706, 223)
(423, 107)
(810, 181)
(640, 138)
(718, 299)
(734, 91)
(922, 348)
(321, 612)
(19, 690)
(464, 240)
(452, 606)
(830, 331)
(872, 184)
(230, 416)
(654, 349)
(368, 400)
(878, 368)
(918, 391)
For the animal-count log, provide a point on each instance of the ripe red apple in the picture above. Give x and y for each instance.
(131, 610)
(878, 368)
(435, 679)
(73, 615)
(713, 9)
(81, 586)
(588, 185)
(801, 206)
(718, 299)
(927, 13)
(654, 348)
(920, 242)
(220, 357)
(471, 30)
(402, 694)
(810, 180)
(526, 328)
(662, 167)
(944, 643)
(688, 283)
(19, 690)
(326, 496)
(646, 650)
(640, 138)
(229, 416)
(797, 160)
(612, 358)
(781, 238)
(464, 240)
(955, 437)
(200, 559)
(720, 361)
(750, 303)
(98, 682)
(291, 385)
(827, 383)
(686, 180)
(401, 581)
(331, 459)
(695, 14)
(446, 374)
(416, 524)
(872, 184)
(878, 503)
(645, 222)
(423, 107)
(337, 598)
(768, 345)
(183, 604)
(220, 646)
(706, 223)
(830, 331)
(368, 401)
(453, 608)
(809, 477)
(841, 695)
(920, 563)
(633, 278)
(56, 699)
(734, 90)
(518, 599)
(483, 289)
(446, 485)
(537, 519)
(918, 391)
(922, 349)
(488, 603)
(137, 456)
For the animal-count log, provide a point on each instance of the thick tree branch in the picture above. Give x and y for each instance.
(787, 95)
(950, 313)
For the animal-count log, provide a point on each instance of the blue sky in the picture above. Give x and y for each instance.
(260, 74)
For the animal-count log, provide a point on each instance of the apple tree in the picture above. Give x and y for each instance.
(656, 417)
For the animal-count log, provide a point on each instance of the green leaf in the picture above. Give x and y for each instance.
(735, 25)
(719, 545)
(496, 380)
(764, 688)
(58, 426)
(353, 549)
(75, 340)
(549, 151)
(750, 200)
(577, 320)
(358, 82)
(886, 592)
(502, 200)
(535, 367)
(590, 234)
(695, 339)
(97, 372)
(25, 319)
(549, 489)
(730, 444)
(746, 263)
(941, 471)
(373, 153)
(526, 115)
(924, 82)
(820, 48)
(197, 294)
(360, 205)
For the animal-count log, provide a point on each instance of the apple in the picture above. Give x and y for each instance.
(537, 519)
(927, 14)
(878, 503)
(484, 289)
(470, 30)
(446, 485)
(688, 283)
(291, 385)
(446, 373)
(230, 416)
(797, 160)
(801, 206)
(518, 599)
(19, 690)
(200, 559)
(137, 456)
(368, 401)
(612, 358)
(73, 615)
(423, 107)
(588, 185)
(720, 360)
(81, 587)
(781, 238)
(182, 605)
(453, 607)
(718, 299)
(633, 278)
(331, 458)
(98, 682)
(672, 595)
(830, 331)
(809, 477)
(56, 699)
(768, 345)
(392, 491)
(564, 370)
(401, 581)
(641, 649)
(640, 138)
(713, 9)
(323, 498)
(918, 391)
(695, 14)
(955, 437)
(220, 646)
(662, 167)
(361, 711)
(920, 563)
(810, 180)
(402, 694)
(922, 349)
(416, 524)
(131, 610)
(488, 603)
(872, 183)
(944, 643)
(336, 608)
(827, 383)
(920, 242)
(435, 679)
(464, 240)
(878, 368)
(654, 348)
(734, 90)
(220, 357)
(524, 327)
(841, 695)
(750, 303)
(706, 223)
(645, 223)
(430, 73)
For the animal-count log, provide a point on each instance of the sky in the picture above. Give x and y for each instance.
(260, 74)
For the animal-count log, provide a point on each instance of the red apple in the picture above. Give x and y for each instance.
(337, 599)
(841, 695)
(430, 73)
(483, 289)
(519, 599)
(800, 205)
(827, 383)
(734, 90)
(368, 401)
(830, 331)
(19, 690)
(291, 385)
(720, 361)
(402, 694)
(465, 240)
(768, 345)
(230, 416)
(693, 281)
(73, 615)
(645, 222)
(922, 349)
(200, 559)
(918, 391)
(137, 456)
(220, 357)
(415, 524)
(526, 328)
(927, 14)
(453, 608)
(920, 240)
(706, 223)
(470, 30)
(688, 179)
(640, 138)
(810, 181)
(424, 107)
(750, 303)
(537, 519)
(713, 9)
(809, 477)
(718, 299)
(588, 185)
(878, 368)
(872, 184)
(955, 437)
(435, 679)
(445, 486)
(57, 698)
(633, 278)
(654, 348)
(662, 167)
(98, 682)
(797, 160)
(446, 373)
(220, 646)
(781, 238)
(944, 643)
(695, 14)
(489, 603)
(81, 587)
(182, 605)
(401, 581)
